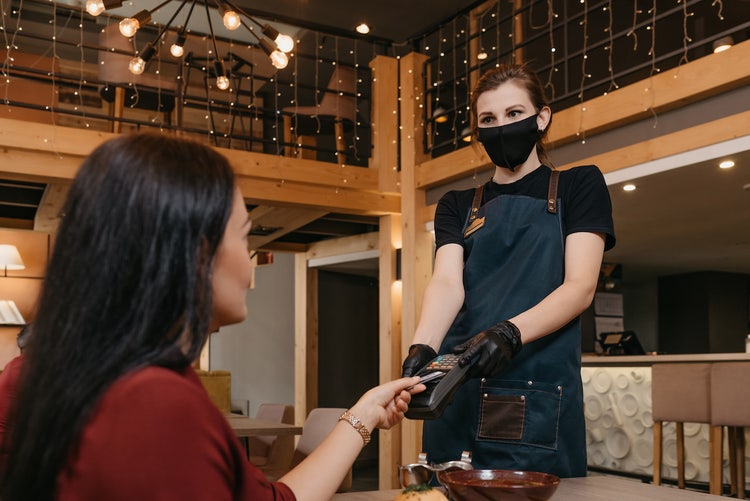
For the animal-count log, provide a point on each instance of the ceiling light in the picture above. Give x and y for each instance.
(723, 44)
(273, 43)
(138, 63)
(628, 187)
(440, 115)
(726, 164)
(482, 56)
(363, 29)
(96, 7)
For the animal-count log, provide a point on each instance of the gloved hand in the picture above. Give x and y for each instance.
(419, 356)
(493, 348)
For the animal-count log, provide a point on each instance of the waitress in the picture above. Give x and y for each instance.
(517, 262)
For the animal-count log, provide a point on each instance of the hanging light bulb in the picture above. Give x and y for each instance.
(230, 18)
(285, 43)
(278, 58)
(177, 49)
(96, 7)
(138, 63)
(130, 25)
(222, 82)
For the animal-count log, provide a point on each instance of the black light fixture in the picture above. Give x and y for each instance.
(398, 264)
(276, 45)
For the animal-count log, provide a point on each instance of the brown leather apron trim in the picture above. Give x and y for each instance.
(552, 192)
(474, 222)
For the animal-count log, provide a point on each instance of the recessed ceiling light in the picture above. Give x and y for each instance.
(482, 56)
(629, 187)
(726, 164)
(363, 28)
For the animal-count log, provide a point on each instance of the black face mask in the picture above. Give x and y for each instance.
(510, 145)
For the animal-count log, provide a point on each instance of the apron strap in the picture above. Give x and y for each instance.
(476, 203)
(552, 192)
(474, 224)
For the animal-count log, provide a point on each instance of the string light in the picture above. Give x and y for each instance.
(632, 31)
(275, 44)
(552, 50)
(685, 37)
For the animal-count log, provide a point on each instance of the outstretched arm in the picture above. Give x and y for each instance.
(319, 475)
(583, 259)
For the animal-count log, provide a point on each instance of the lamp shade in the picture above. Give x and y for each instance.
(10, 259)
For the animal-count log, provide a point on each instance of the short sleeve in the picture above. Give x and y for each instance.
(588, 207)
(449, 220)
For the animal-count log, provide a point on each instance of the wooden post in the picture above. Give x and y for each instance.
(390, 342)
(305, 338)
(385, 122)
(416, 253)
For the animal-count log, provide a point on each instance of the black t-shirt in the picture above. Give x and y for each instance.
(582, 191)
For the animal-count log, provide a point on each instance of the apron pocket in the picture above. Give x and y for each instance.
(524, 412)
(502, 417)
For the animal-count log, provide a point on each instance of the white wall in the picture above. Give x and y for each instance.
(260, 351)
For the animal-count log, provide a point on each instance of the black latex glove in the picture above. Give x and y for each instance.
(419, 356)
(493, 348)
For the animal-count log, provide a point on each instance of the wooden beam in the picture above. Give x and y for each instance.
(344, 245)
(699, 136)
(286, 219)
(329, 198)
(45, 153)
(50, 207)
(385, 122)
(285, 169)
(689, 83)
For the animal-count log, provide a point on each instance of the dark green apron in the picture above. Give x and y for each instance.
(531, 416)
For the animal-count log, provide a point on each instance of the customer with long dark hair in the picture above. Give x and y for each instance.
(150, 257)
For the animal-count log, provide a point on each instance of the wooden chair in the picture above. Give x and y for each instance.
(272, 453)
(336, 112)
(318, 425)
(730, 407)
(218, 385)
(680, 392)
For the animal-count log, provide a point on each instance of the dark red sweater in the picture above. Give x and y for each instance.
(156, 435)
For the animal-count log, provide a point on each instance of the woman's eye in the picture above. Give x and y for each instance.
(486, 120)
(514, 113)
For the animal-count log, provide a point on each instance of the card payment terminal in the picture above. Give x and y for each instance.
(442, 377)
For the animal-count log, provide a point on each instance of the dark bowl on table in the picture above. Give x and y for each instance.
(500, 485)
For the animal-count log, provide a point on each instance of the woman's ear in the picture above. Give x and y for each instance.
(542, 121)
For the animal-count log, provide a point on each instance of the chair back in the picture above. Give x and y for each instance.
(218, 385)
(319, 423)
(271, 453)
(336, 104)
(338, 99)
(730, 394)
(681, 392)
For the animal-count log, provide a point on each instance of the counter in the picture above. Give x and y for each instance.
(617, 408)
(599, 487)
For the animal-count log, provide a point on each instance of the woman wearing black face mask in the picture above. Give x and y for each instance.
(517, 262)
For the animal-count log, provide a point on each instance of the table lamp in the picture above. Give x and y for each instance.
(10, 259)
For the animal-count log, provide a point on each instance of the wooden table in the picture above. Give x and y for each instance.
(598, 488)
(244, 426)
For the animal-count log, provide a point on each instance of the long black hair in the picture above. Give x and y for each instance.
(128, 285)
